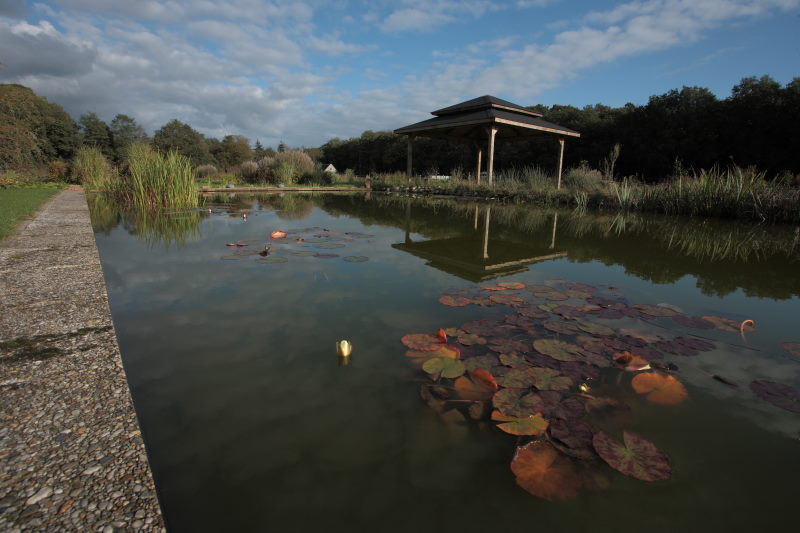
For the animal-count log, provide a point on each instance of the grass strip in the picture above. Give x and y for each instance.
(16, 204)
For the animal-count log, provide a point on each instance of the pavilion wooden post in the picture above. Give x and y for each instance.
(560, 160)
(408, 159)
(478, 169)
(490, 161)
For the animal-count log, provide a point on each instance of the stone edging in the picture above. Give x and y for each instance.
(71, 451)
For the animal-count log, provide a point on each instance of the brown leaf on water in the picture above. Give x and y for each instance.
(545, 473)
(467, 389)
(524, 426)
(660, 388)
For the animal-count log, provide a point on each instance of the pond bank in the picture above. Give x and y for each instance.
(73, 457)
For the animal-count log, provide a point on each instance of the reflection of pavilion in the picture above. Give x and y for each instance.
(476, 258)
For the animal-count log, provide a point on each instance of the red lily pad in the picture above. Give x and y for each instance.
(532, 312)
(557, 406)
(511, 285)
(560, 350)
(484, 328)
(695, 322)
(572, 433)
(508, 299)
(778, 394)
(791, 347)
(454, 301)
(501, 345)
(545, 473)
(473, 390)
(485, 378)
(421, 342)
(493, 288)
(520, 322)
(637, 457)
(660, 388)
(569, 311)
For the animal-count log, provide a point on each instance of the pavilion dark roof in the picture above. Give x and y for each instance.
(469, 119)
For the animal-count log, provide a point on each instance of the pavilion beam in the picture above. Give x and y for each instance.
(408, 158)
(490, 161)
(560, 160)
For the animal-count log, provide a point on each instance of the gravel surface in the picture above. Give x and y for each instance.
(71, 452)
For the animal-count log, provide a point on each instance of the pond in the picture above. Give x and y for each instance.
(252, 422)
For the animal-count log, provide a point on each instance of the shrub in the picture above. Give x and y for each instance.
(316, 177)
(57, 170)
(583, 178)
(286, 167)
(248, 172)
(206, 172)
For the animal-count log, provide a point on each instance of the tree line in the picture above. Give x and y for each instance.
(758, 125)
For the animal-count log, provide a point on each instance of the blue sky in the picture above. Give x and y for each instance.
(307, 71)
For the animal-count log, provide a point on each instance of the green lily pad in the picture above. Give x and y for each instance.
(559, 326)
(514, 360)
(485, 362)
(549, 379)
(637, 457)
(507, 345)
(656, 310)
(444, 367)
(272, 260)
(304, 253)
(529, 425)
(516, 402)
(593, 328)
(470, 339)
(559, 350)
(355, 258)
(421, 342)
(329, 245)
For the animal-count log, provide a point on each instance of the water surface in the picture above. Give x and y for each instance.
(252, 424)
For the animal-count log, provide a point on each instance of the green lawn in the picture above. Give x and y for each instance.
(16, 204)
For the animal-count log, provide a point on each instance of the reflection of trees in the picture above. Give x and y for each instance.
(724, 256)
(150, 225)
(289, 206)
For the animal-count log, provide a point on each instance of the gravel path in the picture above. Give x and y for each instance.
(71, 453)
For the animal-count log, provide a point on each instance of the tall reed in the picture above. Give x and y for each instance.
(157, 180)
(91, 169)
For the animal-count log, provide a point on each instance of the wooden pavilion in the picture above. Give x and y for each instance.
(483, 120)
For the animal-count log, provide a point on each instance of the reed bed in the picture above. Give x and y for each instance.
(91, 169)
(156, 180)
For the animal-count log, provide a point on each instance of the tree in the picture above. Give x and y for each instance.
(96, 133)
(233, 150)
(126, 131)
(178, 136)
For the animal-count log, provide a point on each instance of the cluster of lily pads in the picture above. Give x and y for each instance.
(533, 374)
(280, 246)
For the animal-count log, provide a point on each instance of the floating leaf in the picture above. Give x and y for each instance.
(454, 301)
(328, 245)
(579, 287)
(532, 312)
(303, 253)
(725, 324)
(560, 350)
(316, 240)
(637, 458)
(467, 389)
(791, 347)
(660, 388)
(507, 345)
(559, 326)
(593, 328)
(441, 335)
(579, 370)
(549, 379)
(483, 328)
(483, 377)
(481, 361)
(514, 360)
(518, 403)
(444, 367)
(545, 473)
(421, 342)
(656, 310)
(493, 288)
(507, 299)
(693, 322)
(556, 296)
(518, 378)
(269, 260)
(278, 234)
(512, 285)
(631, 362)
(232, 257)
(778, 394)
(355, 258)
(557, 406)
(529, 425)
(572, 433)
(469, 339)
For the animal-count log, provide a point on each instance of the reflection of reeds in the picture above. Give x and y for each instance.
(153, 226)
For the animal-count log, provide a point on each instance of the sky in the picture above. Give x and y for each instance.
(306, 71)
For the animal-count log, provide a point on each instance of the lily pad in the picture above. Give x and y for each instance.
(328, 245)
(485, 378)
(421, 342)
(303, 253)
(326, 256)
(778, 394)
(501, 345)
(442, 350)
(559, 326)
(656, 310)
(468, 389)
(572, 433)
(232, 257)
(695, 322)
(514, 360)
(725, 324)
(660, 388)
(545, 473)
(511, 285)
(454, 301)
(593, 328)
(481, 361)
(316, 240)
(791, 347)
(529, 425)
(484, 328)
(469, 339)
(444, 367)
(508, 299)
(515, 402)
(532, 312)
(637, 457)
(270, 260)
(355, 258)
(560, 350)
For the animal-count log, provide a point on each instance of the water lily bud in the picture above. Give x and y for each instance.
(344, 348)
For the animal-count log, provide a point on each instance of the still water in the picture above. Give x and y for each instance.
(252, 423)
